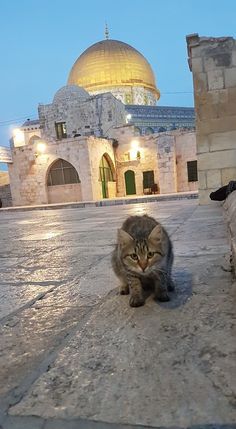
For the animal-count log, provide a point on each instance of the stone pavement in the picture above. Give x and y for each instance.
(73, 354)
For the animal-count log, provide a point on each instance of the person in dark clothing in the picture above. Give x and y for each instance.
(222, 193)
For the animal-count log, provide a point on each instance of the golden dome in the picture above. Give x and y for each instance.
(111, 63)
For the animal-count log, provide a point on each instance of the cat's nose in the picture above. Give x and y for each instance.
(143, 265)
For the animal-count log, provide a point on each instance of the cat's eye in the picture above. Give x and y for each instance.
(134, 256)
(150, 255)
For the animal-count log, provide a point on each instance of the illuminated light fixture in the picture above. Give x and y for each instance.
(135, 152)
(134, 144)
(128, 117)
(19, 138)
(40, 148)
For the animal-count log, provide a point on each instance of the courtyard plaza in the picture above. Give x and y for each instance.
(74, 354)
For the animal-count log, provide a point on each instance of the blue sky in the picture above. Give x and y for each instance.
(41, 40)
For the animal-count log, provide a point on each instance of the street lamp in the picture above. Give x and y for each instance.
(40, 148)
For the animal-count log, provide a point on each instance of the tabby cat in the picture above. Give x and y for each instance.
(143, 255)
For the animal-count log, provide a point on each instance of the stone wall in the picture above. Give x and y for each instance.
(5, 195)
(138, 154)
(213, 64)
(185, 149)
(166, 154)
(64, 193)
(28, 173)
(4, 178)
(96, 149)
(131, 95)
(5, 191)
(92, 116)
(230, 208)
(156, 152)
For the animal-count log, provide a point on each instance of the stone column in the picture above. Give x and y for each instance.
(167, 164)
(213, 64)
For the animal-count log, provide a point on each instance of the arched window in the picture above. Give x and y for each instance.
(137, 131)
(149, 130)
(62, 173)
(33, 138)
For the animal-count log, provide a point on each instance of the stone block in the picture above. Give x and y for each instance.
(202, 180)
(230, 77)
(204, 197)
(215, 79)
(207, 111)
(209, 63)
(228, 174)
(213, 178)
(197, 65)
(234, 58)
(222, 141)
(200, 82)
(230, 207)
(219, 59)
(202, 144)
(217, 160)
(217, 125)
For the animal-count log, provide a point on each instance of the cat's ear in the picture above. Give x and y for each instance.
(156, 234)
(124, 239)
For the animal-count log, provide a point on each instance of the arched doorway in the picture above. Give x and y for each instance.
(106, 175)
(63, 182)
(130, 182)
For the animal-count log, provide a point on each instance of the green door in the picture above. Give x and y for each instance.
(105, 173)
(130, 183)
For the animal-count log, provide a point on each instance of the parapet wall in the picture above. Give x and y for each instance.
(213, 64)
(230, 209)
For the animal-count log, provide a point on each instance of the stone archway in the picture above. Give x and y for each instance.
(63, 183)
(107, 177)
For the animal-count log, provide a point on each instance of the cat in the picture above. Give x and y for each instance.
(143, 255)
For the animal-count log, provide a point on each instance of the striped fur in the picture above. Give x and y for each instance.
(143, 256)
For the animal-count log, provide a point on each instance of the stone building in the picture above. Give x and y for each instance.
(52, 168)
(213, 64)
(5, 192)
(87, 144)
(116, 67)
(158, 163)
(74, 112)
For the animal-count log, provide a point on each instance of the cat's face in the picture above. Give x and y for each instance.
(141, 255)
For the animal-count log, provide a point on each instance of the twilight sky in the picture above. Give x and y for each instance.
(40, 41)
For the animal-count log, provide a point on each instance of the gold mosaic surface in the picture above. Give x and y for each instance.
(112, 63)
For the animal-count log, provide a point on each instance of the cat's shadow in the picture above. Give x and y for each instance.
(183, 290)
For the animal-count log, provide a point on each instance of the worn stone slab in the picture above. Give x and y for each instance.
(150, 366)
(81, 357)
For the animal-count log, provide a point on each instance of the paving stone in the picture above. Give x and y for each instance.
(81, 357)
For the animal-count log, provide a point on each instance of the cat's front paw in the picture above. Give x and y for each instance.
(136, 301)
(124, 290)
(163, 297)
(171, 285)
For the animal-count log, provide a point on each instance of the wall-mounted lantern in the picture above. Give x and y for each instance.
(40, 148)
